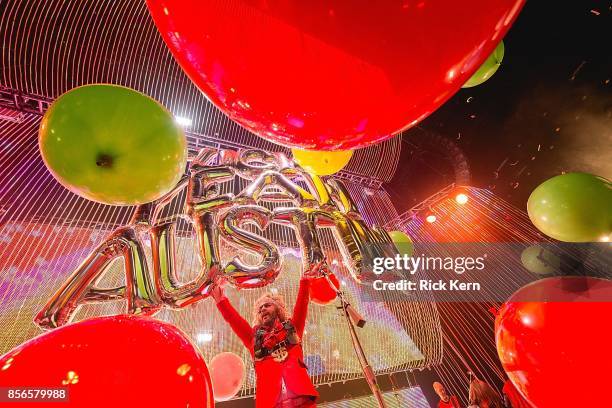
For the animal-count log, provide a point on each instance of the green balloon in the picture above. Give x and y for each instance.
(402, 242)
(112, 144)
(540, 261)
(488, 68)
(573, 207)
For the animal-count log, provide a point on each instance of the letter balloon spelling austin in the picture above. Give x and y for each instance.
(275, 345)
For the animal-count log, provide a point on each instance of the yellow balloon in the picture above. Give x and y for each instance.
(322, 163)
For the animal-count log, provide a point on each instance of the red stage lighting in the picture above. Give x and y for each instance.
(461, 198)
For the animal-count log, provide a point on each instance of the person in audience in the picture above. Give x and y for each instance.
(482, 395)
(446, 400)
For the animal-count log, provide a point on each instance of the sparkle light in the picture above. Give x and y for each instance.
(430, 218)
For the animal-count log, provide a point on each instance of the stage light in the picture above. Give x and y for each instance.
(605, 238)
(430, 218)
(185, 122)
(204, 337)
(461, 198)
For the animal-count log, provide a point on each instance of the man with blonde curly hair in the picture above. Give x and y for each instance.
(275, 345)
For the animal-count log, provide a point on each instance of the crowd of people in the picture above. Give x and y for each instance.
(482, 395)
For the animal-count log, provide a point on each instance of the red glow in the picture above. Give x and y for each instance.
(461, 198)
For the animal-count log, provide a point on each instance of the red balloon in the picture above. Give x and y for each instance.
(331, 75)
(553, 339)
(227, 374)
(118, 361)
(321, 291)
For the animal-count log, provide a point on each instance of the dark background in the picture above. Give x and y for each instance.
(548, 109)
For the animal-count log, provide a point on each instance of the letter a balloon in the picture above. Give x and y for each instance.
(333, 75)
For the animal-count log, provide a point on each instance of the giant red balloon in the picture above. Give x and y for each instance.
(321, 291)
(553, 339)
(119, 361)
(331, 75)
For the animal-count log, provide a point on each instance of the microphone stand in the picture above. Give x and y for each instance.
(354, 318)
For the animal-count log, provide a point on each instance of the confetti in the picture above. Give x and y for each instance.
(595, 12)
(539, 147)
(577, 70)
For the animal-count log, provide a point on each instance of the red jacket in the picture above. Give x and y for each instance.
(453, 402)
(269, 372)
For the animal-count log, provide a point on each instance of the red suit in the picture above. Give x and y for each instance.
(452, 402)
(271, 373)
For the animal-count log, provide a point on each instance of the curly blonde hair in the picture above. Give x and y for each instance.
(278, 301)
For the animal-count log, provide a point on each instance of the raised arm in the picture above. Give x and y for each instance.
(300, 310)
(238, 324)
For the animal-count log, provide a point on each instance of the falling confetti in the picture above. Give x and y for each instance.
(577, 70)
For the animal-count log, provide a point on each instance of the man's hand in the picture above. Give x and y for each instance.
(217, 292)
(317, 270)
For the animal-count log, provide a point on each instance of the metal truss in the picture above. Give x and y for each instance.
(21, 103)
(426, 204)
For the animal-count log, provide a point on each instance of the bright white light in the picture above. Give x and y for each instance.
(605, 238)
(185, 122)
(431, 218)
(461, 198)
(204, 337)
